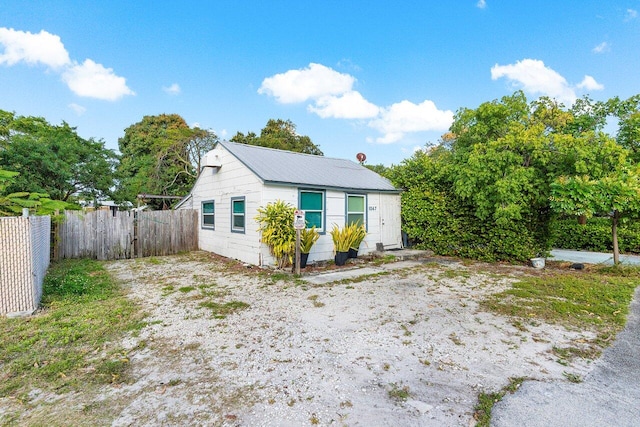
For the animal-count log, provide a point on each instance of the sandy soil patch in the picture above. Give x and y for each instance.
(402, 344)
(404, 347)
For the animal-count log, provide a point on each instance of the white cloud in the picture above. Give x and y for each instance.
(350, 105)
(78, 109)
(43, 48)
(312, 82)
(601, 48)
(174, 89)
(88, 79)
(535, 78)
(405, 116)
(631, 14)
(589, 83)
(330, 95)
(481, 4)
(93, 80)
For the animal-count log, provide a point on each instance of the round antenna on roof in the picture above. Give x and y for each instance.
(361, 157)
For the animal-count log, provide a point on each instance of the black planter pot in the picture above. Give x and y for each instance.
(303, 260)
(353, 253)
(341, 258)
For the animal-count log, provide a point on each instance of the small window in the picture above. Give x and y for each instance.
(355, 209)
(237, 214)
(312, 203)
(209, 214)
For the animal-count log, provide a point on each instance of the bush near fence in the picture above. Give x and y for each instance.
(595, 235)
(24, 259)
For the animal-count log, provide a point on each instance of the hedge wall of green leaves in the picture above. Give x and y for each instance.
(595, 235)
(438, 221)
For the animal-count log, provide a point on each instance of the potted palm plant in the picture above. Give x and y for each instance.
(358, 233)
(342, 238)
(308, 237)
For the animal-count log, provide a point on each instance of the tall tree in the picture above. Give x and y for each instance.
(616, 195)
(161, 155)
(492, 175)
(54, 159)
(279, 134)
(12, 204)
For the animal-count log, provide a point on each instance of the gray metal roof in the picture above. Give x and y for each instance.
(289, 168)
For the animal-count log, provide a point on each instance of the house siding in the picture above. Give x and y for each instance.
(233, 179)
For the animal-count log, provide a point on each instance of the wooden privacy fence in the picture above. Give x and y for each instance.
(106, 235)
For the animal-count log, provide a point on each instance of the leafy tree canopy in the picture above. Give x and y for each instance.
(12, 204)
(279, 134)
(491, 175)
(161, 155)
(54, 160)
(380, 169)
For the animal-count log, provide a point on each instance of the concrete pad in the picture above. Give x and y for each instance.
(587, 257)
(334, 276)
(337, 275)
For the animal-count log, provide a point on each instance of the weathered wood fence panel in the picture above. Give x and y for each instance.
(104, 235)
(167, 232)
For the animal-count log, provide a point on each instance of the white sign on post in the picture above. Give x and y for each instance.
(299, 222)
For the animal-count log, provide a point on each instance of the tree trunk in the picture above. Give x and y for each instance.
(614, 235)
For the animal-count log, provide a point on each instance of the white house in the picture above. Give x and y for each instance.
(237, 179)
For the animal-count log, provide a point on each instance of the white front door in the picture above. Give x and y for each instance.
(390, 232)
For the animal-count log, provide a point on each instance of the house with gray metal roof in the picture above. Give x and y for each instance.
(237, 179)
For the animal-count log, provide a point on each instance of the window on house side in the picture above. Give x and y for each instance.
(312, 203)
(237, 214)
(355, 209)
(209, 215)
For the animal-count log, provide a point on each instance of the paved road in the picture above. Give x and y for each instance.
(608, 396)
(591, 257)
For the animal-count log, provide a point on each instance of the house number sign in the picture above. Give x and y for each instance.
(299, 222)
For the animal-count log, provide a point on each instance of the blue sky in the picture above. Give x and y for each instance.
(383, 78)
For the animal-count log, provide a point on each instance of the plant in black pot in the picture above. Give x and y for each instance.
(358, 232)
(308, 237)
(342, 238)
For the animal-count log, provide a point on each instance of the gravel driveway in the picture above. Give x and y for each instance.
(406, 346)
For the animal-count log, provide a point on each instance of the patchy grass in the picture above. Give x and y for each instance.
(574, 378)
(567, 354)
(599, 299)
(68, 343)
(483, 408)
(316, 302)
(398, 392)
(386, 259)
(359, 279)
(222, 310)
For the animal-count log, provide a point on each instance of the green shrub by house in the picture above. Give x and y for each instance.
(277, 232)
(308, 237)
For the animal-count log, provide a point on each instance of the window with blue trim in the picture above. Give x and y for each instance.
(312, 203)
(209, 214)
(355, 209)
(237, 214)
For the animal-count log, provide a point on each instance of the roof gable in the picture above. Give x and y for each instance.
(289, 168)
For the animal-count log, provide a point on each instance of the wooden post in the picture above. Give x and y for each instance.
(298, 251)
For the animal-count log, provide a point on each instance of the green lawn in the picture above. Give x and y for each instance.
(74, 339)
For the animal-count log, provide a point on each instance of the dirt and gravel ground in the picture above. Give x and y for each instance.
(406, 346)
(399, 344)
